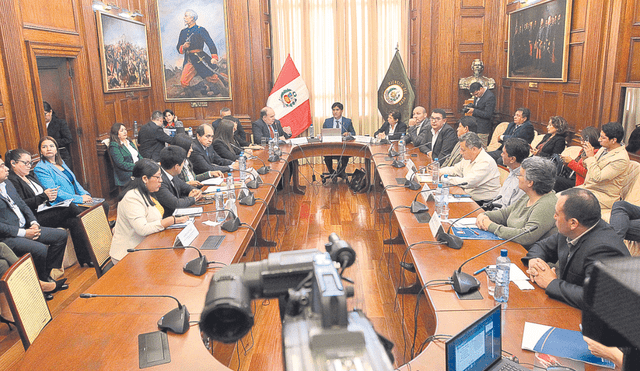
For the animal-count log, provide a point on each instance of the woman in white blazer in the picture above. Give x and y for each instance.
(139, 214)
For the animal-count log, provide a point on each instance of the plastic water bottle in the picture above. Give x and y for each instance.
(401, 149)
(135, 129)
(311, 131)
(445, 187)
(242, 165)
(220, 215)
(231, 201)
(442, 203)
(435, 172)
(230, 185)
(272, 145)
(502, 277)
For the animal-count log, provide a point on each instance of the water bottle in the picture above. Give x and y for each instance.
(220, 215)
(190, 132)
(502, 277)
(271, 147)
(435, 172)
(231, 200)
(242, 165)
(311, 131)
(230, 185)
(442, 203)
(135, 129)
(401, 149)
(445, 187)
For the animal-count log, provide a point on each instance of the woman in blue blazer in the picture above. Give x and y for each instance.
(52, 172)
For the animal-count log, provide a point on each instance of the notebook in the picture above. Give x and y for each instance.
(479, 346)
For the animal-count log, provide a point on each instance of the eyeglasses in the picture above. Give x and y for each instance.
(159, 177)
(26, 163)
(436, 118)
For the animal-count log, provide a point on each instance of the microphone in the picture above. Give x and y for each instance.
(400, 164)
(232, 223)
(254, 183)
(469, 213)
(177, 320)
(418, 207)
(197, 266)
(464, 282)
(411, 184)
(264, 169)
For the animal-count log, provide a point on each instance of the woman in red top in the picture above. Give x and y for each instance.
(575, 176)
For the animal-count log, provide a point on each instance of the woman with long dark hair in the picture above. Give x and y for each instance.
(224, 144)
(139, 214)
(124, 154)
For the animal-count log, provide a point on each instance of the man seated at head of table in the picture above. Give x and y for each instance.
(607, 168)
(582, 239)
(514, 151)
(204, 158)
(442, 137)
(465, 124)
(536, 208)
(477, 169)
(174, 193)
(139, 214)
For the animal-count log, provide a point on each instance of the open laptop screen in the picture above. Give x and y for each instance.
(478, 346)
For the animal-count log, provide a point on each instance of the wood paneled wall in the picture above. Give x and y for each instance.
(67, 29)
(604, 50)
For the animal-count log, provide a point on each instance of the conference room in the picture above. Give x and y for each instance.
(100, 63)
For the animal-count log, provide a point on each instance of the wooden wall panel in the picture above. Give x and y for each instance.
(633, 74)
(575, 62)
(51, 15)
(550, 106)
(471, 31)
(471, 4)
(579, 15)
(569, 104)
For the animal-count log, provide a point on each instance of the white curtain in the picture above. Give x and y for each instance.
(631, 114)
(342, 49)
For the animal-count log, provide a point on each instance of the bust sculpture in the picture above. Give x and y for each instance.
(477, 67)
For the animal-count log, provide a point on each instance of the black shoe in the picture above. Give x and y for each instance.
(408, 266)
(9, 323)
(48, 297)
(60, 285)
(112, 224)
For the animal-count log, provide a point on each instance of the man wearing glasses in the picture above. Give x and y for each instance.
(441, 136)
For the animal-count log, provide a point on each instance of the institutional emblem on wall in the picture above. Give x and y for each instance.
(288, 98)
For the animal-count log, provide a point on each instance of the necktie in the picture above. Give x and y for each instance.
(271, 131)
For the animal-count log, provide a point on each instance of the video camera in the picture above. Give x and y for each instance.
(318, 332)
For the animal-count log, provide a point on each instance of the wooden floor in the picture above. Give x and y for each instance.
(309, 220)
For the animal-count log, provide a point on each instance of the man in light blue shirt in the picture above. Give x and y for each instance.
(514, 151)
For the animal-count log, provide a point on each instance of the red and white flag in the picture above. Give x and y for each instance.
(289, 98)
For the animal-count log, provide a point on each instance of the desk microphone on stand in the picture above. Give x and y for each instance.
(197, 266)
(255, 182)
(463, 282)
(418, 207)
(264, 169)
(474, 210)
(177, 320)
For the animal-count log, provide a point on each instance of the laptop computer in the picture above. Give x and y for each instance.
(479, 346)
(331, 135)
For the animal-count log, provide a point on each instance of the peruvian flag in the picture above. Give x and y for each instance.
(289, 99)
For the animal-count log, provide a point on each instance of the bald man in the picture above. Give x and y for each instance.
(419, 128)
(268, 127)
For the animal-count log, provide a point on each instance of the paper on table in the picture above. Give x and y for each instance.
(211, 223)
(423, 178)
(363, 139)
(464, 222)
(517, 276)
(188, 211)
(460, 199)
(213, 181)
(298, 141)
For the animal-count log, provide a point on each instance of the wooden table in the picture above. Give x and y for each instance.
(101, 333)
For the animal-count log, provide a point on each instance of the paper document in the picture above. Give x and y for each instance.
(298, 141)
(65, 203)
(191, 211)
(213, 181)
(363, 139)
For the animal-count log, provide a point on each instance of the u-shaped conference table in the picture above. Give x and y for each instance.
(102, 333)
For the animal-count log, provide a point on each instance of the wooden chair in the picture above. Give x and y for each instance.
(572, 151)
(537, 140)
(96, 227)
(497, 132)
(504, 173)
(26, 300)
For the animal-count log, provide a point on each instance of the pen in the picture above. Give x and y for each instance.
(476, 233)
(479, 271)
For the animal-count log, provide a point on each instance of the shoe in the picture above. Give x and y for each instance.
(408, 266)
(112, 224)
(48, 296)
(60, 285)
(9, 323)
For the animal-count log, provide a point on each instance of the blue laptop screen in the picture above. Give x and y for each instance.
(478, 346)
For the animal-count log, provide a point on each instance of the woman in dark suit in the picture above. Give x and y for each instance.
(393, 129)
(124, 154)
(224, 144)
(555, 140)
(34, 195)
(58, 129)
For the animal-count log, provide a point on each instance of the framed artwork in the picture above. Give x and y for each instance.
(124, 53)
(195, 50)
(539, 41)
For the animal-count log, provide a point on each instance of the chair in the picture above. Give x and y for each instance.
(26, 300)
(572, 151)
(537, 140)
(504, 173)
(96, 227)
(497, 132)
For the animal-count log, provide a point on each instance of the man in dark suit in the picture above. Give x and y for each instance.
(268, 127)
(174, 193)
(346, 128)
(203, 157)
(521, 127)
(483, 106)
(442, 137)
(20, 230)
(582, 239)
(418, 129)
(152, 139)
(239, 135)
